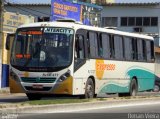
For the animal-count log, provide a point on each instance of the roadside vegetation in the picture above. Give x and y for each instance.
(52, 101)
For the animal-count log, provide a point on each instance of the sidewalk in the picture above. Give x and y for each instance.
(4, 90)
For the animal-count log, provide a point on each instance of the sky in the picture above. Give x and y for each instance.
(49, 1)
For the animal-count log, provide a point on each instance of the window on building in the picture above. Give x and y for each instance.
(154, 21)
(124, 21)
(146, 21)
(42, 19)
(109, 21)
(131, 21)
(138, 21)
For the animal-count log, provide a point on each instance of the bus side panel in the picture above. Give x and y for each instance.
(64, 87)
(80, 79)
(145, 77)
(118, 79)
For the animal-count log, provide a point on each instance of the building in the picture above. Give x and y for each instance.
(139, 17)
(41, 11)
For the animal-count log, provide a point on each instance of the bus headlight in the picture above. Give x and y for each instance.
(14, 76)
(65, 76)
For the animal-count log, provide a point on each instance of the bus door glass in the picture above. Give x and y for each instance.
(79, 51)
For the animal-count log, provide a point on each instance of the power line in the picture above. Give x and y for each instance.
(34, 10)
(10, 4)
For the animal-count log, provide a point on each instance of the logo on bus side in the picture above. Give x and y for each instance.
(101, 67)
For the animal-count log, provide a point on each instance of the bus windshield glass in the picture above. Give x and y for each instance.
(42, 49)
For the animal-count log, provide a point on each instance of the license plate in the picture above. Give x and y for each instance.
(37, 86)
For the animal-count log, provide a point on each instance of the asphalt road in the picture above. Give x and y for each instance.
(146, 111)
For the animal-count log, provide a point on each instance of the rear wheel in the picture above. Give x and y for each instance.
(33, 96)
(123, 94)
(133, 88)
(156, 88)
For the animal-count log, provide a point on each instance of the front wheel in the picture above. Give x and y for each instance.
(89, 90)
(33, 96)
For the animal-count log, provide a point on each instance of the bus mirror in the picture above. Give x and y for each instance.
(9, 38)
(8, 42)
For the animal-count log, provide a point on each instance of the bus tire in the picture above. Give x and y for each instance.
(33, 96)
(89, 89)
(122, 94)
(133, 88)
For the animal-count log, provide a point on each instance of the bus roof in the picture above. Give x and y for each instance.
(77, 25)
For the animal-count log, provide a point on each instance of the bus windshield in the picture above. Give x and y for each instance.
(42, 49)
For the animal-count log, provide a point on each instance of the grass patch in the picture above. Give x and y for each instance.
(56, 101)
(101, 99)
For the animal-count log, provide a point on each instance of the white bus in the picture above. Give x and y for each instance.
(65, 57)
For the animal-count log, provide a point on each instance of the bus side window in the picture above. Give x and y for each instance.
(134, 49)
(144, 50)
(93, 44)
(105, 51)
(128, 48)
(118, 47)
(79, 47)
(112, 46)
(140, 49)
(150, 51)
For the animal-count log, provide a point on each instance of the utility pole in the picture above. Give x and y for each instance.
(1, 29)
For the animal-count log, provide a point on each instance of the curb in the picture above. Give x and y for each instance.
(62, 108)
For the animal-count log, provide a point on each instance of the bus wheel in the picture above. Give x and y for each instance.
(89, 90)
(122, 94)
(133, 88)
(33, 96)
